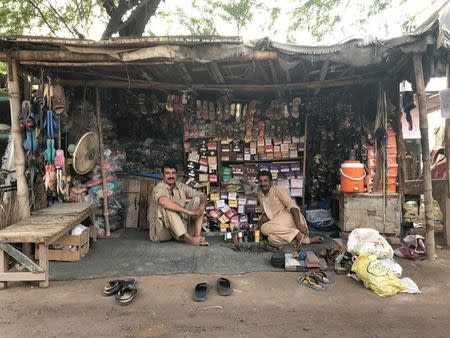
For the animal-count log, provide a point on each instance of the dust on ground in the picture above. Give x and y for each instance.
(264, 304)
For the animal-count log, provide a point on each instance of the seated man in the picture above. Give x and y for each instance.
(281, 220)
(171, 206)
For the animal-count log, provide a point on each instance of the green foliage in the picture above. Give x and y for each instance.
(321, 17)
(3, 68)
(48, 17)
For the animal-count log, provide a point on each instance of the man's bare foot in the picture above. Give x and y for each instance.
(316, 239)
(195, 240)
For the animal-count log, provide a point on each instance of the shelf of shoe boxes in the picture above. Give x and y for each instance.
(234, 211)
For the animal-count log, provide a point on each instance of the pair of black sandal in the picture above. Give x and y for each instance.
(201, 289)
(124, 289)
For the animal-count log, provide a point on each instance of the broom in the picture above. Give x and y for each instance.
(9, 209)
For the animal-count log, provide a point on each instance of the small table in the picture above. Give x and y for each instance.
(43, 227)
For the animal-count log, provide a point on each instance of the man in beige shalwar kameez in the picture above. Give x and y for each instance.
(171, 205)
(281, 220)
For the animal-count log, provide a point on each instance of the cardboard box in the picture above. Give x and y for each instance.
(296, 183)
(215, 196)
(219, 204)
(203, 177)
(79, 244)
(295, 192)
(284, 184)
(233, 203)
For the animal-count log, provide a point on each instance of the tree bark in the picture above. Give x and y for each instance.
(135, 24)
(19, 155)
(427, 184)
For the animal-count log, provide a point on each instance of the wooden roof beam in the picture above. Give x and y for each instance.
(263, 72)
(215, 72)
(65, 56)
(185, 75)
(275, 80)
(323, 74)
(371, 78)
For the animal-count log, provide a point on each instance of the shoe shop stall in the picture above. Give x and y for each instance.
(325, 121)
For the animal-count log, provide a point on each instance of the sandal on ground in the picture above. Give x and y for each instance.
(113, 286)
(322, 277)
(224, 287)
(311, 282)
(200, 292)
(126, 294)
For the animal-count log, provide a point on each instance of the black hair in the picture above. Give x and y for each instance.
(168, 165)
(265, 173)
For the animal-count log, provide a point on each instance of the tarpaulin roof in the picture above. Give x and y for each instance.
(217, 63)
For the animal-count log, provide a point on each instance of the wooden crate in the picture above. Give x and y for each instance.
(365, 210)
(81, 244)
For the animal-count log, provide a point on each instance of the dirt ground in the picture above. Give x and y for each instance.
(264, 304)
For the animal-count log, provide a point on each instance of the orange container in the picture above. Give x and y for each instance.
(391, 187)
(391, 179)
(392, 150)
(352, 176)
(391, 140)
(392, 159)
(392, 170)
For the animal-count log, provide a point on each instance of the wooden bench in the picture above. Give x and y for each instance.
(42, 228)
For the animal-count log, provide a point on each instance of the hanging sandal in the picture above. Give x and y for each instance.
(311, 282)
(126, 294)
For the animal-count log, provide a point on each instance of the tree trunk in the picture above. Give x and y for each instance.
(135, 24)
(427, 187)
(19, 156)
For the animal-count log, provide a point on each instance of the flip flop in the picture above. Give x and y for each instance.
(113, 286)
(126, 294)
(224, 287)
(200, 292)
(322, 277)
(311, 282)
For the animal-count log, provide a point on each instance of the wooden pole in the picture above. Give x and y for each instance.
(102, 164)
(19, 155)
(351, 81)
(427, 184)
(446, 210)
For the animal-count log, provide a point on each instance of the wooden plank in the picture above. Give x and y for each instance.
(323, 74)
(124, 83)
(143, 204)
(185, 75)
(22, 276)
(20, 257)
(132, 216)
(364, 210)
(3, 269)
(65, 208)
(43, 263)
(93, 232)
(311, 260)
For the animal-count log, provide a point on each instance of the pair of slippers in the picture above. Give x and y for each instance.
(201, 289)
(124, 289)
(316, 280)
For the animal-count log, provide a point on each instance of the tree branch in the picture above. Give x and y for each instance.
(72, 30)
(42, 16)
(138, 18)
